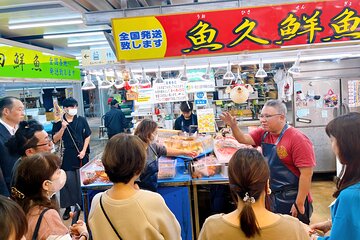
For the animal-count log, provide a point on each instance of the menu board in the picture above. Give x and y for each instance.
(206, 120)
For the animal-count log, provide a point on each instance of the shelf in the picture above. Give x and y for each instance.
(133, 114)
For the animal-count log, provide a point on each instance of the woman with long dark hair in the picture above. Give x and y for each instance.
(249, 185)
(344, 133)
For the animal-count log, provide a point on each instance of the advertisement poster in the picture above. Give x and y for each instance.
(206, 120)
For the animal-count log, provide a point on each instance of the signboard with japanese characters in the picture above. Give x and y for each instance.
(145, 96)
(243, 29)
(16, 62)
(204, 86)
(172, 90)
(206, 120)
(97, 56)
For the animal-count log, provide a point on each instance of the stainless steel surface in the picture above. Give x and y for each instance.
(325, 158)
(320, 76)
(318, 113)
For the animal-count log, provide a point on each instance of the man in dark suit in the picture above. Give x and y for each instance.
(11, 113)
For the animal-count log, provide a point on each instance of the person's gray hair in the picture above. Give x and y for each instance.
(278, 105)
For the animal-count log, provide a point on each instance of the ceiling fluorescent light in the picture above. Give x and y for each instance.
(67, 35)
(87, 43)
(45, 23)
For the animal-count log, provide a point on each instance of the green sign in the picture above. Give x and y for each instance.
(16, 62)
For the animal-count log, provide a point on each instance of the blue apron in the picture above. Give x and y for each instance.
(284, 183)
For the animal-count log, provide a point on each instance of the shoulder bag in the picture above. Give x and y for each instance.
(37, 227)
(107, 217)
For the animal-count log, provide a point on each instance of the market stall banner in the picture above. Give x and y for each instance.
(236, 30)
(16, 62)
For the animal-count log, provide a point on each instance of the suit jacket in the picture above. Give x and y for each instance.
(7, 161)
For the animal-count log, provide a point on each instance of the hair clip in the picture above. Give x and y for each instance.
(16, 193)
(248, 199)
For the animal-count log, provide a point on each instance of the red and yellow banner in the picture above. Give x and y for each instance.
(236, 30)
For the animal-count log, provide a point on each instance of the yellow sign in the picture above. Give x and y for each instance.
(206, 120)
(139, 38)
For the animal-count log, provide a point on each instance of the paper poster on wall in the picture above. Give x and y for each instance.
(145, 96)
(172, 90)
(302, 112)
(354, 93)
(324, 113)
(206, 120)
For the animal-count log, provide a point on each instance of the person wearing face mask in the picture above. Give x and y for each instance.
(75, 134)
(147, 132)
(187, 122)
(29, 139)
(39, 178)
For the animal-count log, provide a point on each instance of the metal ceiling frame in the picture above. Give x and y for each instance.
(104, 17)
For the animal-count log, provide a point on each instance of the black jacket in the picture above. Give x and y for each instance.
(7, 161)
(115, 121)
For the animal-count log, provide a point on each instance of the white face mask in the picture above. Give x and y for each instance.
(72, 111)
(57, 184)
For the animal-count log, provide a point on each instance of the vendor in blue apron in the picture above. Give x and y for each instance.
(290, 156)
(187, 122)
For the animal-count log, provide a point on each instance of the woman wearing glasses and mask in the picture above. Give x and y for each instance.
(39, 177)
(29, 139)
(290, 156)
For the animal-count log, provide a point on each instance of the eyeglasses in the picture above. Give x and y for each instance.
(268, 116)
(44, 144)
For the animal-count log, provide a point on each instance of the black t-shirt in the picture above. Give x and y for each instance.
(184, 125)
(80, 130)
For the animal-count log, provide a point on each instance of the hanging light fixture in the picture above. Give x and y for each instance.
(261, 72)
(228, 76)
(104, 83)
(119, 80)
(206, 76)
(88, 84)
(159, 78)
(183, 76)
(144, 81)
(133, 80)
(54, 92)
(295, 69)
(238, 77)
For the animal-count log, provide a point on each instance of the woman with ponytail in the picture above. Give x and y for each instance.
(249, 185)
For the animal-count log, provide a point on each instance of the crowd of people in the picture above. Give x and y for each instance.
(271, 189)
